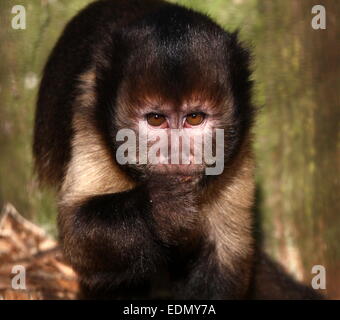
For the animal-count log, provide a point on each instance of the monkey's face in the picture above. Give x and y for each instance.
(182, 99)
(179, 134)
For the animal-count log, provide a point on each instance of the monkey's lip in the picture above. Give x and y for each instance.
(184, 170)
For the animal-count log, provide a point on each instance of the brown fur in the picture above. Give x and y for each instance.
(223, 209)
(227, 206)
(92, 169)
(128, 231)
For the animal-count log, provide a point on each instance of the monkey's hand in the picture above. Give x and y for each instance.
(109, 239)
(175, 207)
(173, 184)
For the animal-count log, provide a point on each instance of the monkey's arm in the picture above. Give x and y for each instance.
(209, 279)
(272, 282)
(109, 241)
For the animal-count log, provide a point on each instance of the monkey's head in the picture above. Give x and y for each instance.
(175, 71)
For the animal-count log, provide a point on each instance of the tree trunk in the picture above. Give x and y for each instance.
(297, 137)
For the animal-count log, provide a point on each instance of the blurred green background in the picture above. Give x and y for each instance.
(297, 137)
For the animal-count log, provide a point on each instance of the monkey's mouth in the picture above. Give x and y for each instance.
(177, 169)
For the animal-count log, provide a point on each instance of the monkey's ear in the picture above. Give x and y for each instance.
(240, 60)
(109, 61)
(241, 57)
(239, 66)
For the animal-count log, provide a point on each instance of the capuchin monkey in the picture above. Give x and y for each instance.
(147, 230)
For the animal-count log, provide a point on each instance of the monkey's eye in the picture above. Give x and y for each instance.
(155, 119)
(195, 119)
